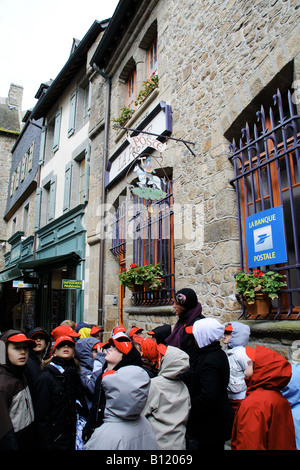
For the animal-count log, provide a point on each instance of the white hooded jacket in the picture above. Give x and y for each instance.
(124, 428)
(168, 404)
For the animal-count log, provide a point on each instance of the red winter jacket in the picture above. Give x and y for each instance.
(264, 419)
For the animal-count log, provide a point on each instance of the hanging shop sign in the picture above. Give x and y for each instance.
(21, 284)
(149, 186)
(72, 284)
(266, 238)
(157, 124)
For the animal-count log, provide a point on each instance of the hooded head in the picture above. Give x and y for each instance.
(126, 391)
(14, 336)
(175, 362)
(83, 351)
(239, 335)
(206, 331)
(271, 370)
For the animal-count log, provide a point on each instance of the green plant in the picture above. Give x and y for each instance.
(148, 86)
(250, 284)
(126, 114)
(139, 275)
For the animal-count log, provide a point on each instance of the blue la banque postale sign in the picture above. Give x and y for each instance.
(265, 237)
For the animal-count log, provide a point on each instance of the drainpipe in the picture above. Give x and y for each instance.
(103, 192)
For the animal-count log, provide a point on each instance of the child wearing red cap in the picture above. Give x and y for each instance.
(60, 398)
(16, 408)
(121, 353)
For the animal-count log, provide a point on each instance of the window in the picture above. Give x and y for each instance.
(131, 90)
(152, 59)
(153, 241)
(267, 175)
(46, 202)
(27, 162)
(15, 180)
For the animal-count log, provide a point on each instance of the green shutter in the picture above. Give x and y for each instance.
(56, 131)
(67, 189)
(42, 145)
(71, 127)
(37, 209)
(51, 208)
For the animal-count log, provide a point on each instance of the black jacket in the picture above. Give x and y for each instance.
(210, 420)
(55, 406)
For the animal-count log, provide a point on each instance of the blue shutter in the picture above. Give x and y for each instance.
(42, 145)
(67, 188)
(51, 208)
(56, 131)
(71, 127)
(37, 213)
(87, 173)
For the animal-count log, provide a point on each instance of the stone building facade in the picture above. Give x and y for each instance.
(10, 127)
(218, 62)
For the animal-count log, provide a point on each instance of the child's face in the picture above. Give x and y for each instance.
(64, 350)
(113, 357)
(226, 338)
(40, 343)
(17, 353)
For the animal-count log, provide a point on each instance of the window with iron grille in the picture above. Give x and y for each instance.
(153, 241)
(267, 174)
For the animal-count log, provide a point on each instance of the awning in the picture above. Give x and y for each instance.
(49, 263)
(10, 273)
(17, 271)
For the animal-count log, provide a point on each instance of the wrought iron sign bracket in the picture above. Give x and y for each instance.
(185, 142)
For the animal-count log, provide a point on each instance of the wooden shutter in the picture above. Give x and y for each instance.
(37, 214)
(72, 115)
(56, 131)
(51, 208)
(67, 188)
(42, 145)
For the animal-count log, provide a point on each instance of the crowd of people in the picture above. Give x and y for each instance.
(192, 388)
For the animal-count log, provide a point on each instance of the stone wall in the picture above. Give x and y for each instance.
(215, 60)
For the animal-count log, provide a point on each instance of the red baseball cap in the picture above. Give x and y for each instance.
(21, 338)
(64, 330)
(150, 349)
(134, 331)
(118, 329)
(228, 327)
(101, 345)
(96, 329)
(123, 344)
(162, 349)
(63, 339)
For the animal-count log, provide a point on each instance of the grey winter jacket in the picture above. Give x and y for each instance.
(168, 404)
(124, 428)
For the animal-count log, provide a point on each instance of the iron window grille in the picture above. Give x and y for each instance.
(267, 174)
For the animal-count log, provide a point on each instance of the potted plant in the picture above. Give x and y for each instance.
(258, 289)
(148, 86)
(126, 114)
(148, 276)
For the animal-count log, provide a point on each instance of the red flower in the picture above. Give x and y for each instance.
(133, 265)
(146, 262)
(260, 274)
